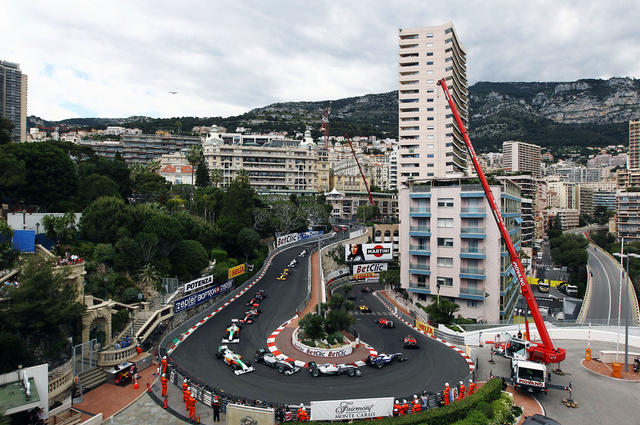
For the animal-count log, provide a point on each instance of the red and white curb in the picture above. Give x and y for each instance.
(392, 310)
(192, 329)
(271, 345)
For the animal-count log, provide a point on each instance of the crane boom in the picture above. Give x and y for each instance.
(544, 351)
(360, 169)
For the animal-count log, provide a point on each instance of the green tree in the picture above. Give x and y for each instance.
(115, 169)
(13, 172)
(8, 255)
(338, 320)
(148, 186)
(62, 229)
(249, 241)
(147, 242)
(601, 215)
(442, 311)
(6, 127)
(42, 312)
(313, 326)
(202, 174)
(188, 259)
(391, 277)
(216, 177)
(368, 212)
(194, 154)
(555, 229)
(336, 302)
(127, 256)
(149, 276)
(103, 218)
(168, 230)
(96, 186)
(347, 288)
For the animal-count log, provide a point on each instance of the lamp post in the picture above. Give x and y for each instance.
(626, 319)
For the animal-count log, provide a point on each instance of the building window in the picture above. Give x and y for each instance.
(429, 35)
(445, 222)
(472, 303)
(430, 165)
(445, 242)
(445, 262)
(445, 281)
(445, 202)
(430, 63)
(429, 174)
(430, 155)
(430, 99)
(430, 146)
(429, 53)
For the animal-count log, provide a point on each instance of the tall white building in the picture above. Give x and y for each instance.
(521, 157)
(13, 99)
(430, 142)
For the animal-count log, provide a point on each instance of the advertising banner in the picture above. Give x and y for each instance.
(236, 271)
(238, 414)
(321, 352)
(363, 408)
(287, 239)
(425, 327)
(310, 234)
(198, 283)
(370, 268)
(361, 252)
(368, 275)
(193, 300)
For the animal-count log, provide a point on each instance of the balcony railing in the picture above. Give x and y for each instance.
(468, 210)
(420, 210)
(420, 267)
(472, 251)
(419, 286)
(472, 270)
(472, 230)
(418, 248)
(471, 291)
(419, 229)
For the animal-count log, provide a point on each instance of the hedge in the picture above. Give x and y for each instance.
(447, 415)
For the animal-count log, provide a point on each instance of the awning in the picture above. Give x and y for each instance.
(518, 220)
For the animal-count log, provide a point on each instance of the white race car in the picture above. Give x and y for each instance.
(233, 333)
(303, 253)
(234, 360)
(333, 369)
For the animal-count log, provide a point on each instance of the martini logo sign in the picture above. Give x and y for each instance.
(357, 252)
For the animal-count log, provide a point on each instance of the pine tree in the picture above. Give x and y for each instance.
(202, 174)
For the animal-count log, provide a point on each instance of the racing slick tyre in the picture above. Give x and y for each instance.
(379, 365)
(351, 372)
(218, 355)
(281, 369)
(315, 373)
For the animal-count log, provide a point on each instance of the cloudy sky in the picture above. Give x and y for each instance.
(121, 58)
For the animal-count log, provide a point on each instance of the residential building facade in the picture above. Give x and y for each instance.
(345, 204)
(13, 99)
(430, 142)
(634, 145)
(628, 216)
(141, 147)
(521, 157)
(454, 247)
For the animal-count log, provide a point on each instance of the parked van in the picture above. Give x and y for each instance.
(572, 290)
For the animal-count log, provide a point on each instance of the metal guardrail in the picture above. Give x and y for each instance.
(587, 298)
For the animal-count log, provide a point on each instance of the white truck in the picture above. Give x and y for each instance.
(525, 374)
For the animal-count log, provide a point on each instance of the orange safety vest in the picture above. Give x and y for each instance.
(472, 387)
(396, 409)
(461, 393)
(446, 396)
(416, 407)
(405, 408)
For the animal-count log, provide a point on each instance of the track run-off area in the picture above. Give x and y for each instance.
(427, 368)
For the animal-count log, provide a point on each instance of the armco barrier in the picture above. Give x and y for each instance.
(584, 309)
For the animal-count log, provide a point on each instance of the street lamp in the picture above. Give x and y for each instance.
(626, 321)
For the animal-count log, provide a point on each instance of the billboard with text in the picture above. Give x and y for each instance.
(361, 252)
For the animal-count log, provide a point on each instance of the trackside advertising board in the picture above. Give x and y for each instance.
(287, 239)
(198, 283)
(236, 271)
(361, 252)
(370, 268)
(238, 414)
(362, 408)
(193, 300)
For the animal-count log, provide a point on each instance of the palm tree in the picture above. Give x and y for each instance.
(149, 276)
(194, 155)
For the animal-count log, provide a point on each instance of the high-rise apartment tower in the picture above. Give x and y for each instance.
(634, 145)
(430, 142)
(13, 99)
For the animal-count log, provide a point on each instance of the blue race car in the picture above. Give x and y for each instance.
(383, 359)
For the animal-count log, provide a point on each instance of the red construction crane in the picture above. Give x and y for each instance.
(544, 351)
(360, 168)
(325, 126)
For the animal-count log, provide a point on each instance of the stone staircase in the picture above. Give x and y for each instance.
(138, 322)
(92, 378)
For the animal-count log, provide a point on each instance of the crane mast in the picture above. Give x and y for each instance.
(545, 351)
(325, 126)
(361, 172)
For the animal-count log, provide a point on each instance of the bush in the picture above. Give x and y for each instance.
(486, 409)
(475, 417)
(446, 415)
(502, 409)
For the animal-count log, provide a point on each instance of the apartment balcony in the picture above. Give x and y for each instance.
(419, 288)
(472, 232)
(477, 254)
(419, 231)
(472, 293)
(472, 212)
(419, 212)
(472, 273)
(423, 269)
(419, 250)
(420, 192)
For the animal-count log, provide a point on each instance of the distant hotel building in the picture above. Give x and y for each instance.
(13, 99)
(521, 157)
(628, 216)
(141, 147)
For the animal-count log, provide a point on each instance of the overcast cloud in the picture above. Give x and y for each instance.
(117, 58)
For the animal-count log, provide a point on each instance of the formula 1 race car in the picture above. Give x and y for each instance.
(383, 359)
(265, 356)
(233, 333)
(366, 290)
(385, 323)
(255, 301)
(293, 264)
(410, 341)
(303, 253)
(333, 369)
(234, 360)
(250, 316)
(364, 309)
(284, 275)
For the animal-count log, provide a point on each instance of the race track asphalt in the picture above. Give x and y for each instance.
(428, 368)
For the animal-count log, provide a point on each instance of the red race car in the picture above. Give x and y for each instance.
(385, 323)
(410, 341)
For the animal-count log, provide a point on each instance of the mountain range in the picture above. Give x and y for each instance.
(588, 112)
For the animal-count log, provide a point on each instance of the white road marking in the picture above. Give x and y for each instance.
(609, 283)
